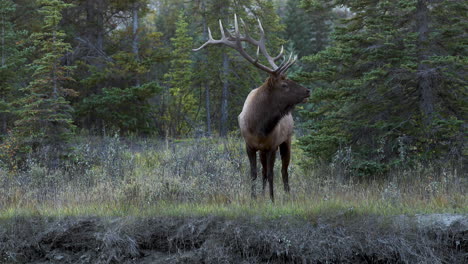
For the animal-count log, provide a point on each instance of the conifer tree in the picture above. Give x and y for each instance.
(390, 89)
(45, 115)
(181, 109)
(12, 53)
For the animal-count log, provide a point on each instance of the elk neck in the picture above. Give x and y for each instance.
(266, 110)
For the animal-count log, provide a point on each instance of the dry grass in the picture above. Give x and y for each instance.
(220, 240)
(115, 177)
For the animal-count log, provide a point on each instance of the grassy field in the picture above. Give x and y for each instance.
(121, 177)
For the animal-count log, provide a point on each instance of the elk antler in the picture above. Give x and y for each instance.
(235, 42)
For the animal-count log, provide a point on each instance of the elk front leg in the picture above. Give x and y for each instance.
(263, 160)
(285, 151)
(252, 154)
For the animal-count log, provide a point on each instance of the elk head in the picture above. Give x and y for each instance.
(287, 91)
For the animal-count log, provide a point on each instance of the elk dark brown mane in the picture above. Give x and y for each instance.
(266, 121)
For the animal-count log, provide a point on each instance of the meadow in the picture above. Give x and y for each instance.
(134, 200)
(114, 176)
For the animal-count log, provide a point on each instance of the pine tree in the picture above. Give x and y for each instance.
(390, 87)
(181, 109)
(12, 72)
(45, 115)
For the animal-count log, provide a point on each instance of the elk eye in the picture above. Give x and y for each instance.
(284, 85)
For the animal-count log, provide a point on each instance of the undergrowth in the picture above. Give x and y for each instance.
(119, 177)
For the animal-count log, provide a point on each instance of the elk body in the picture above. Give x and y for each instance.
(265, 122)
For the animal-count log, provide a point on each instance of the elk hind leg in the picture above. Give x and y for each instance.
(252, 154)
(285, 151)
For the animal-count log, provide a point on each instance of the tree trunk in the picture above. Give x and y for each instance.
(94, 35)
(95, 21)
(3, 40)
(207, 87)
(54, 73)
(4, 123)
(90, 21)
(224, 97)
(135, 36)
(208, 111)
(4, 116)
(425, 73)
(135, 29)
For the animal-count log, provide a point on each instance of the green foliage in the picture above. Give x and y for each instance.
(45, 114)
(109, 68)
(385, 89)
(307, 29)
(182, 108)
(13, 53)
(127, 110)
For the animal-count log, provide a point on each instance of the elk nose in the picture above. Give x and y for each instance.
(308, 92)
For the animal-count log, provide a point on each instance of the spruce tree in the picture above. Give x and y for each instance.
(12, 59)
(45, 115)
(181, 109)
(390, 89)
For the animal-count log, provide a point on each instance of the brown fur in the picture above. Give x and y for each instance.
(266, 123)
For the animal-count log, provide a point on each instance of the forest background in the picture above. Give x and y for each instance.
(388, 78)
(119, 144)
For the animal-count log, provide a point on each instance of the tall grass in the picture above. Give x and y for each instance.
(118, 176)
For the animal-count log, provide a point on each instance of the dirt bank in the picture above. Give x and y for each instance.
(350, 239)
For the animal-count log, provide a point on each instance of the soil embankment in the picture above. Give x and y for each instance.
(350, 239)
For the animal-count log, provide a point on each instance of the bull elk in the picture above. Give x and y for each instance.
(265, 122)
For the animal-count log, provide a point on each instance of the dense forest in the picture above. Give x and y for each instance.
(388, 78)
